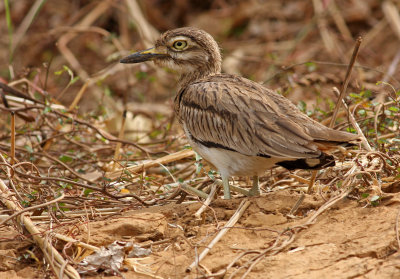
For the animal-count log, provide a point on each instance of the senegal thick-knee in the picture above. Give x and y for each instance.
(239, 126)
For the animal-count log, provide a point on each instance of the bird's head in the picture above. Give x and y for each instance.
(187, 50)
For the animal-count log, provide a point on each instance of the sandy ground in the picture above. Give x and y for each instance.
(346, 241)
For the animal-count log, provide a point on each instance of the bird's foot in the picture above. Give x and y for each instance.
(254, 192)
(239, 190)
(251, 193)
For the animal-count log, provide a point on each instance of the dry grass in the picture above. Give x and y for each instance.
(62, 136)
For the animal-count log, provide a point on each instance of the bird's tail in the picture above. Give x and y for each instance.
(321, 162)
(327, 146)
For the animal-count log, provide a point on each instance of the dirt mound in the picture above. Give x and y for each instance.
(346, 241)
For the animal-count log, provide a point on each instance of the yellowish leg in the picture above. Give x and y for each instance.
(227, 191)
(255, 190)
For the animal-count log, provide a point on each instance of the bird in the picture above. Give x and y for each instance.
(240, 127)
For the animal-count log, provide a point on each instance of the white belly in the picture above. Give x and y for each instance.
(231, 163)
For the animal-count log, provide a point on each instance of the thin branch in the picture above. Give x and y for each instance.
(346, 81)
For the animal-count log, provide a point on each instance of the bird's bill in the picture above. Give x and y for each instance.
(144, 55)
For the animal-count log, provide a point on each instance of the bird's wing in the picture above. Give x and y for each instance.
(237, 114)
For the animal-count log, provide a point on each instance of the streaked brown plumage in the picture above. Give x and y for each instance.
(239, 126)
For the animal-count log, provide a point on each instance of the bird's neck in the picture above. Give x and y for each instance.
(189, 77)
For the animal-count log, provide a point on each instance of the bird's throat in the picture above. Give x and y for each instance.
(190, 77)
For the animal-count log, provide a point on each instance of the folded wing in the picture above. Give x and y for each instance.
(240, 115)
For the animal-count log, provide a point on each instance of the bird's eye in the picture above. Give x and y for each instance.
(180, 45)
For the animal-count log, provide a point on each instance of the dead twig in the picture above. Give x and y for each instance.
(239, 212)
(32, 208)
(354, 123)
(163, 160)
(209, 199)
(345, 82)
(51, 254)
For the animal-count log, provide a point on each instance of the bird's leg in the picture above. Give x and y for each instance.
(255, 190)
(234, 188)
(227, 191)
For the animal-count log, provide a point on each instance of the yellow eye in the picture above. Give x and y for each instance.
(180, 45)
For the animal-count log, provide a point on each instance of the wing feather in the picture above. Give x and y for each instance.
(244, 116)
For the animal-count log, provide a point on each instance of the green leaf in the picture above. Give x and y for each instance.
(129, 153)
(141, 75)
(65, 158)
(25, 203)
(155, 133)
(198, 157)
(57, 73)
(355, 95)
(108, 179)
(302, 106)
(311, 66)
(375, 200)
(64, 185)
(362, 112)
(364, 195)
(199, 166)
(75, 79)
(28, 148)
(87, 191)
(70, 72)
(46, 110)
(107, 91)
(367, 93)
(211, 174)
(350, 130)
(62, 207)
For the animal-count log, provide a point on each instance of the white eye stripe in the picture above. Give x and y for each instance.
(179, 38)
